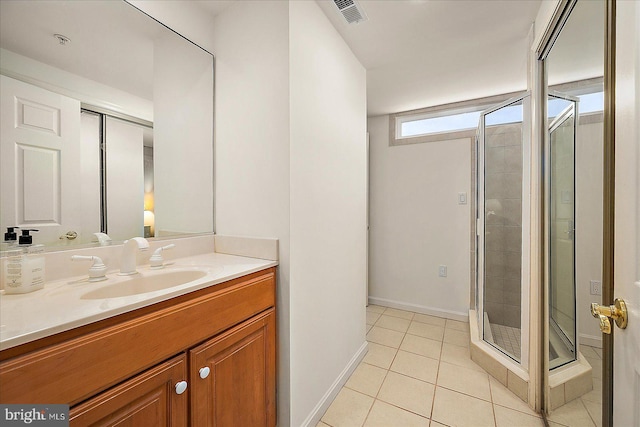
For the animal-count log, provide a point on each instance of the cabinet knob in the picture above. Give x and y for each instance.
(181, 387)
(204, 372)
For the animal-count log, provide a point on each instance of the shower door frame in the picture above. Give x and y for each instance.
(502, 356)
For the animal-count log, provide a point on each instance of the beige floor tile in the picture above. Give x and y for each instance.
(380, 355)
(349, 408)
(384, 415)
(598, 351)
(457, 325)
(422, 346)
(458, 355)
(436, 424)
(393, 323)
(457, 409)
(572, 414)
(596, 367)
(372, 317)
(464, 380)
(415, 366)
(456, 337)
(367, 379)
(407, 393)
(595, 411)
(375, 308)
(321, 424)
(385, 337)
(500, 395)
(594, 395)
(369, 327)
(432, 320)
(506, 417)
(426, 330)
(554, 424)
(588, 351)
(403, 314)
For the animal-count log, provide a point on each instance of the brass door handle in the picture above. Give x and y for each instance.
(617, 312)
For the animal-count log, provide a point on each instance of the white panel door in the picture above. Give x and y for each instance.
(40, 159)
(125, 179)
(626, 351)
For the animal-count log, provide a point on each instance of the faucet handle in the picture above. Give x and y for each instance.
(97, 270)
(156, 261)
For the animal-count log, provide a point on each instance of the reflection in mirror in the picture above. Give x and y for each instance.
(108, 129)
(562, 285)
(575, 68)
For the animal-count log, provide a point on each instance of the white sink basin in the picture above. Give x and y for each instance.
(140, 284)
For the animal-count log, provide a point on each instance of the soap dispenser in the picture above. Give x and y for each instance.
(26, 238)
(10, 239)
(10, 235)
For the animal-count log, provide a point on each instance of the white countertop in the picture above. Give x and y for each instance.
(60, 307)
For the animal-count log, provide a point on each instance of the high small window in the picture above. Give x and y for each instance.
(446, 122)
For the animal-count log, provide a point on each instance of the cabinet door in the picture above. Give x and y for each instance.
(240, 387)
(148, 399)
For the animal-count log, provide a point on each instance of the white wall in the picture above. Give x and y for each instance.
(328, 209)
(416, 223)
(251, 46)
(588, 233)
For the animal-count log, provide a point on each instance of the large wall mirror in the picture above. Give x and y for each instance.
(574, 168)
(106, 121)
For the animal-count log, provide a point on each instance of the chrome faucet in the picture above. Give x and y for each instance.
(129, 252)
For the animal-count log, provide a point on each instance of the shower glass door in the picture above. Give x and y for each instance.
(500, 189)
(562, 277)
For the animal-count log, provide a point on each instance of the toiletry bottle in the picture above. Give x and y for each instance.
(35, 263)
(12, 272)
(10, 239)
(25, 238)
(24, 270)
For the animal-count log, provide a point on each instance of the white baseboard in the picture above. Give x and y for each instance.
(314, 417)
(447, 314)
(591, 340)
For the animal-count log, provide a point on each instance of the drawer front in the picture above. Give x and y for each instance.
(79, 368)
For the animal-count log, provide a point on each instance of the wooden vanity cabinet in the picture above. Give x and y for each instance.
(147, 400)
(233, 376)
(124, 370)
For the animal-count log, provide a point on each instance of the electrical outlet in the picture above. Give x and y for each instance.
(442, 271)
(596, 287)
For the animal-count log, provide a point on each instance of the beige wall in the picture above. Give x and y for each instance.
(588, 226)
(416, 223)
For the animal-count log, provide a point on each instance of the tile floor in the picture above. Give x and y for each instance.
(418, 372)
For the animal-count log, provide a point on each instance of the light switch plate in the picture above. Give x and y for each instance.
(462, 198)
(596, 287)
(442, 271)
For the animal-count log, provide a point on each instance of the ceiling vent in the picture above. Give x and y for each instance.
(351, 11)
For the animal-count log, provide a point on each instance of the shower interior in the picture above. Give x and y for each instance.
(501, 138)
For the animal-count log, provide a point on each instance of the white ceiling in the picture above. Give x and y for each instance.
(420, 53)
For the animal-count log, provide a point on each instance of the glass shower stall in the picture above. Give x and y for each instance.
(501, 297)
(503, 150)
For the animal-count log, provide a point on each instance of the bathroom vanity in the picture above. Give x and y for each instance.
(204, 356)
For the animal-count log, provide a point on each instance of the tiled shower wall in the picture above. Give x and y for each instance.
(503, 224)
